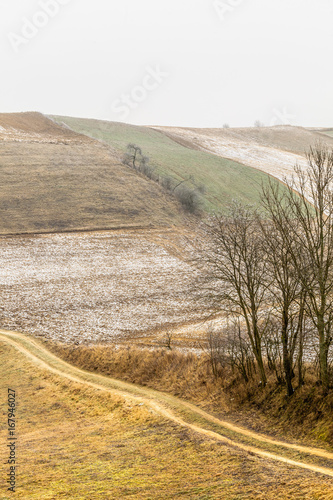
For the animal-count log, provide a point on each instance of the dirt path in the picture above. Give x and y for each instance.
(164, 404)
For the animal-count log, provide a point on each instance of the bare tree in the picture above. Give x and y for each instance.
(183, 181)
(168, 338)
(307, 230)
(216, 349)
(133, 155)
(235, 272)
(283, 280)
(272, 345)
(190, 196)
(239, 351)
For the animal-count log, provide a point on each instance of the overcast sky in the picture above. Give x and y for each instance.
(198, 63)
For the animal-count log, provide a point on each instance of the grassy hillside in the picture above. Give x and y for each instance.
(283, 138)
(329, 132)
(273, 150)
(224, 179)
(52, 179)
(80, 443)
(77, 442)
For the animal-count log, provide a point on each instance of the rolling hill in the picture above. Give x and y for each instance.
(274, 150)
(231, 163)
(53, 179)
(223, 178)
(325, 131)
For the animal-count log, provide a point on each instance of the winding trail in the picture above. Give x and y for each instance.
(179, 411)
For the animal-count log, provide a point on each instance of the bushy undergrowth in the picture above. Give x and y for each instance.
(186, 191)
(186, 375)
(306, 414)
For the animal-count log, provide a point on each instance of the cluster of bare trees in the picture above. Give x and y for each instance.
(271, 270)
(187, 192)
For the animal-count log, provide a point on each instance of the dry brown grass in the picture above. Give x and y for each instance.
(185, 375)
(75, 442)
(307, 416)
(54, 179)
(15, 125)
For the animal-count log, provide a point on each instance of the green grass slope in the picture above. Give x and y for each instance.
(329, 132)
(224, 179)
(53, 179)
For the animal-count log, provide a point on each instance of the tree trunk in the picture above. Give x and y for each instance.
(258, 355)
(288, 370)
(257, 349)
(300, 356)
(323, 355)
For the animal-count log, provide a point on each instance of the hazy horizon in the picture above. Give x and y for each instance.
(193, 63)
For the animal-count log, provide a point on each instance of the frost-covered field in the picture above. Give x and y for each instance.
(244, 149)
(92, 287)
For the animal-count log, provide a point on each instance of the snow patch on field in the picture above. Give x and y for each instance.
(273, 161)
(92, 288)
